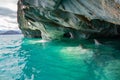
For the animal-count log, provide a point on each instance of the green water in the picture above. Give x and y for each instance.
(35, 59)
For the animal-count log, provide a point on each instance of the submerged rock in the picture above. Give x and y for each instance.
(57, 19)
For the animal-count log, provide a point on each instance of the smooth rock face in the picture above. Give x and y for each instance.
(57, 19)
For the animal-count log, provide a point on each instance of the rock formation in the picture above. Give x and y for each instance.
(57, 19)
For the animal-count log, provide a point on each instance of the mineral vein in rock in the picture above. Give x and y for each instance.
(57, 19)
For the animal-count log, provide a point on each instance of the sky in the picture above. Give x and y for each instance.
(8, 16)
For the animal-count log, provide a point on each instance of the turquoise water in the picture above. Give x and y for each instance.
(36, 59)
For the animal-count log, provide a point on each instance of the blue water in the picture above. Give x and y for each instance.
(35, 59)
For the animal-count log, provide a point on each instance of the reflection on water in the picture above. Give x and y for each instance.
(34, 59)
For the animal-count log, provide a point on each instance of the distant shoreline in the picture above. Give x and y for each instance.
(10, 32)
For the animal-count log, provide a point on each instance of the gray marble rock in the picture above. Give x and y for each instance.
(57, 19)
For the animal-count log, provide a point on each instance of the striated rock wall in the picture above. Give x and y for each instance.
(57, 19)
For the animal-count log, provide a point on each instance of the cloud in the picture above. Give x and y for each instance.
(8, 15)
(7, 12)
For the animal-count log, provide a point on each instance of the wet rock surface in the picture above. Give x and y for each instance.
(57, 19)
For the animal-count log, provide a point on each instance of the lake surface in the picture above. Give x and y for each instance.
(35, 59)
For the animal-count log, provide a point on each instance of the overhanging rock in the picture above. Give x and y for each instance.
(57, 19)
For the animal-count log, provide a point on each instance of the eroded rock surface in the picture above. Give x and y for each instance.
(57, 19)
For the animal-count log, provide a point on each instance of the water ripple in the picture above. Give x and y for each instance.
(35, 59)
